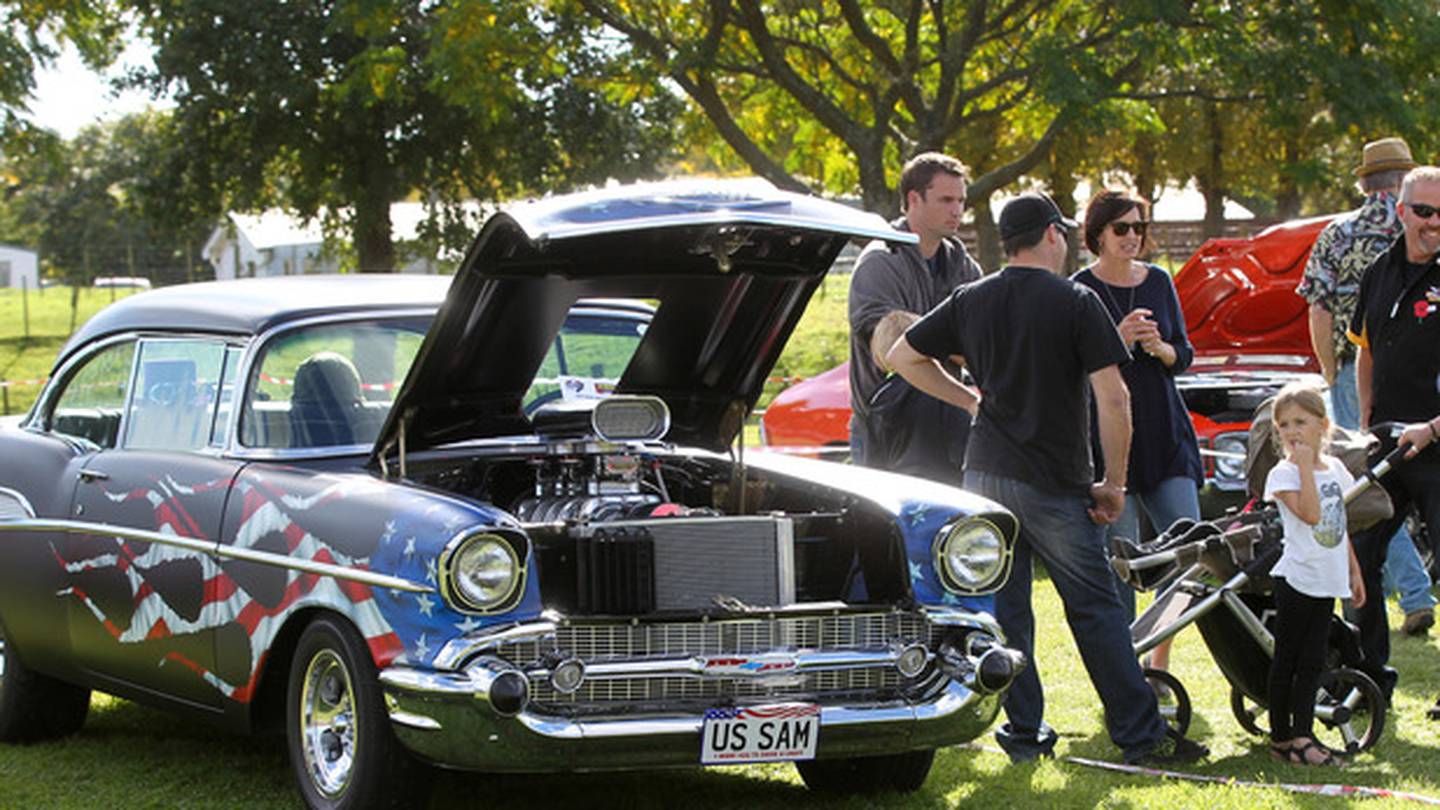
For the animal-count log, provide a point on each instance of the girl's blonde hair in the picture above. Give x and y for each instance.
(1302, 395)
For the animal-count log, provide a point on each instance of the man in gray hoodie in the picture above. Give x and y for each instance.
(892, 425)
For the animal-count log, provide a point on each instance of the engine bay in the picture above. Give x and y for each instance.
(642, 531)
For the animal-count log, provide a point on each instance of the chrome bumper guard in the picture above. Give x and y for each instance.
(480, 718)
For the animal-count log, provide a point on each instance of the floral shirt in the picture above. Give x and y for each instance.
(1341, 253)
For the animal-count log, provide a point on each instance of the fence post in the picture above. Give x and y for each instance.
(5, 399)
(24, 308)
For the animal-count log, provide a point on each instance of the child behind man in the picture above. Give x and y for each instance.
(1316, 567)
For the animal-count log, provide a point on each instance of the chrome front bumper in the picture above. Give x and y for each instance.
(468, 718)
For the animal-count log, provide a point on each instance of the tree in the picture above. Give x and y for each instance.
(30, 33)
(350, 105)
(835, 95)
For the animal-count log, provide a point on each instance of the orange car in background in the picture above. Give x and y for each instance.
(1250, 331)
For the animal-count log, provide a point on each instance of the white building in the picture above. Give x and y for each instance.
(275, 243)
(19, 268)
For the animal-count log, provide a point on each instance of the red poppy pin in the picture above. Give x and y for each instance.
(1423, 308)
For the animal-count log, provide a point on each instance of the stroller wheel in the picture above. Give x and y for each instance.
(1172, 699)
(1247, 712)
(1350, 709)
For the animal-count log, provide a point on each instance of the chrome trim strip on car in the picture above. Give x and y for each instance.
(216, 549)
(696, 666)
(954, 697)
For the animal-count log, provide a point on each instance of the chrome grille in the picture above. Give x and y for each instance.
(607, 642)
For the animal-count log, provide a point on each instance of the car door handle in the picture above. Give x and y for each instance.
(93, 475)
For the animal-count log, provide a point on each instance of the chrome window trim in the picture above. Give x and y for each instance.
(213, 548)
(20, 498)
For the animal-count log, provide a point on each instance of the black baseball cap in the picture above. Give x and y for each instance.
(1031, 211)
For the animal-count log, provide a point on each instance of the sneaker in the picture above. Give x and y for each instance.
(1171, 750)
(1418, 622)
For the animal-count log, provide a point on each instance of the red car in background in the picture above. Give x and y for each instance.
(1250, 331)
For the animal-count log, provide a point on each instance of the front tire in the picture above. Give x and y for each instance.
(35, 707)
(342, 750)
(902, 773)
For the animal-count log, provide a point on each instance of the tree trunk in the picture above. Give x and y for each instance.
(987, 236)
(1287, 199)
(1212, 182)
(1147, 176)
(374, 244)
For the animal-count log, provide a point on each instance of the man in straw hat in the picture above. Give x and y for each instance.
(1331, 284)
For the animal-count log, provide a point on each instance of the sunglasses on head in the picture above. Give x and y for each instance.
(1122, 228)
(1422, 210)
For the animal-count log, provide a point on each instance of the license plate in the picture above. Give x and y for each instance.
(779, 733)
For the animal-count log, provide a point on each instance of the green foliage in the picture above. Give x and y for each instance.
(349, 106)
(96, 205)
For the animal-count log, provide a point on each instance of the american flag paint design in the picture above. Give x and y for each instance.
(397, 626)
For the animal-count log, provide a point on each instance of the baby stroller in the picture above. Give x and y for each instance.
(1215, 575)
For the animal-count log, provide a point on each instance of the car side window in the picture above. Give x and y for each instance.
(177, 386)
(93, 399)
(328, 385)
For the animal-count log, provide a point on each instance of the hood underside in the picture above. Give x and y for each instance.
(728, 265)
(1238, 295)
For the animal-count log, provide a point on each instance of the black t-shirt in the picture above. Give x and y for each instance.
(1397, 315)
(1030, 339)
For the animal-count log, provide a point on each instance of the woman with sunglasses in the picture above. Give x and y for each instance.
(1165, 473)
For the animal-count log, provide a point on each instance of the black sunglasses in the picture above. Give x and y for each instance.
(1122, 228)
(1422, 210)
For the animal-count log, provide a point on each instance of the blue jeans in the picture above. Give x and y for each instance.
(1344, 398)
(1170, 500)
(1055, 527)
(1404, 571)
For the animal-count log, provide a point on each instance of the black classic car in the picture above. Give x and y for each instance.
(496, 524)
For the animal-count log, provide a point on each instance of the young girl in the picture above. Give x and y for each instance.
(1317, 566)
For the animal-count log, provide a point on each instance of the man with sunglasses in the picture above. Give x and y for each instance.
(893, 426)
(1331, 284)
(1037, 344)
(1396, 328)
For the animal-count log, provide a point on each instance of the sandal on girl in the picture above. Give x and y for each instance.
(1300, 755)
(1284, 753)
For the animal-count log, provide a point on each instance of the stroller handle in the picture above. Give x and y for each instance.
(1373, 475)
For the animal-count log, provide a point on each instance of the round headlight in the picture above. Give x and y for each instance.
(1230, 458)
(971, 556)
(484, 572)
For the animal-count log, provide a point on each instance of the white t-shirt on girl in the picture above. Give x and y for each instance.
(1316, 560)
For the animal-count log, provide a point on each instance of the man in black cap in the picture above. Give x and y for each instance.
(1037, 344)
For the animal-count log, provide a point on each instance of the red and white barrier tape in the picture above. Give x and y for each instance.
(8, 383)
(1312, 789)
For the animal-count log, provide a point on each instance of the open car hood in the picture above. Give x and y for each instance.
(729, 264)
(1239, 301)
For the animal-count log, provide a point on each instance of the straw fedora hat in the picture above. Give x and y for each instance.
(1384, 155)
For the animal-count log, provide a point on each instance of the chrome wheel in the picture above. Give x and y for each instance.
(328, 731)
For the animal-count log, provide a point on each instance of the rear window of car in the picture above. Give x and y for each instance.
(329, 384)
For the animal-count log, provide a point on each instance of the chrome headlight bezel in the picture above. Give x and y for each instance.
(957, 541)
(483, 547)
(1230, 470)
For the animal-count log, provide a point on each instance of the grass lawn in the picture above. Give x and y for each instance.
(146, 758)
(47, 313)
